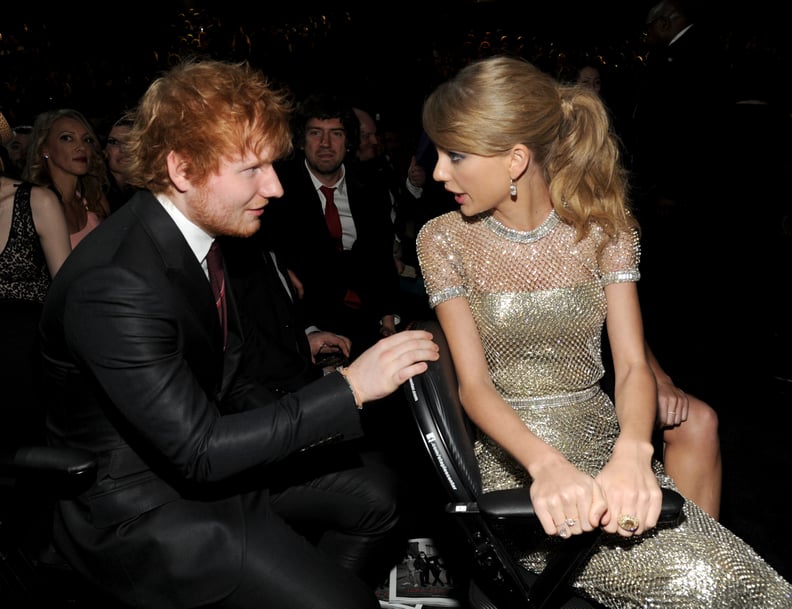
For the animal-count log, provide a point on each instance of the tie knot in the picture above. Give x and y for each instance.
(327, 191)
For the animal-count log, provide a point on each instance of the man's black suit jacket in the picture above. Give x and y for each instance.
(679, 124)
(296, 227)
(137, 374)
(277, 352)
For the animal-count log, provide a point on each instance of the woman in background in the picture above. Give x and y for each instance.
(65, 156)
(34, 242)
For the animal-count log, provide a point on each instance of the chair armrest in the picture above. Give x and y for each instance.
(515, 503)
(550, 589)
(65, 471)
(68, 461)
(671, 511)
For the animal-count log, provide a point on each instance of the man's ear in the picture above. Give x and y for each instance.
(177, 171)
(664, 23)
(519, 161)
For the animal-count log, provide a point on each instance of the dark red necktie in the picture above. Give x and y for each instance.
(214, 262)
(331, 216)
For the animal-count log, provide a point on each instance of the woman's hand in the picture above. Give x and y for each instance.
(566, 500)
(632, 491)
(672, 404)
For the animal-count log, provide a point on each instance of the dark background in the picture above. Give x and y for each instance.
(389, 53)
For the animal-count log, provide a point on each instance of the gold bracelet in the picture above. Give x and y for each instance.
(344, 371)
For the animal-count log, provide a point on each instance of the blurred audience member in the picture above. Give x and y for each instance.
(65, 156)
(430, 199)
(758, 120)
(350, 284)
(6, 134)
(34, 242)
(382, 170)
(680, 183)
(119, 191)
(589, 76)
(595, 75)
(369, 146)
(17, 148)
(372, 165)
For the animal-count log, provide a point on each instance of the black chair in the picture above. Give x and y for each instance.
(493, 579)
(32, 574)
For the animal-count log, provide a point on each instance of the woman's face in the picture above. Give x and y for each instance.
(478, 183)
(114, 151)
(69, 146)
(589, 76)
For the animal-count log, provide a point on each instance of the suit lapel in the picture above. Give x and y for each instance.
(187, 276)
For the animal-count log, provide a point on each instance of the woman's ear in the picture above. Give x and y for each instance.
(519, 160)
(177, 171)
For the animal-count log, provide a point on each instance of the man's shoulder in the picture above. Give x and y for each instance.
(134, 236)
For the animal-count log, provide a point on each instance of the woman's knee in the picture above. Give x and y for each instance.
(700, 429)
(704, 419)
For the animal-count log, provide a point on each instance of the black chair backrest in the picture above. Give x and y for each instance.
(495, 579)
(434, 398)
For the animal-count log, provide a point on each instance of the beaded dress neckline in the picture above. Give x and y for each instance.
(520, 236)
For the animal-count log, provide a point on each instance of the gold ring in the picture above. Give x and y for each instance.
(628, 522)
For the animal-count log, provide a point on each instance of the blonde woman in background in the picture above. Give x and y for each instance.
(65, 155)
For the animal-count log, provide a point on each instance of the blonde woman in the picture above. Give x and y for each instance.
(65, 155)
(542, 252)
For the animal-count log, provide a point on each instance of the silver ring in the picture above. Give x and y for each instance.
(563, 529)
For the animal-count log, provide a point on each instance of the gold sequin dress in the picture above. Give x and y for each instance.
(538, 300)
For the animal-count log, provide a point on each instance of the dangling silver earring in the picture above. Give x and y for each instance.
(46, 156)
(513, 190)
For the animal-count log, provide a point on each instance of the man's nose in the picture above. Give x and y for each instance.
(271, 186)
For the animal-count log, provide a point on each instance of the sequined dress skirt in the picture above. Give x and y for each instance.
(698, 564)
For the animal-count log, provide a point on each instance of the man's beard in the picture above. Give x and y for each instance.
(215, 221)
